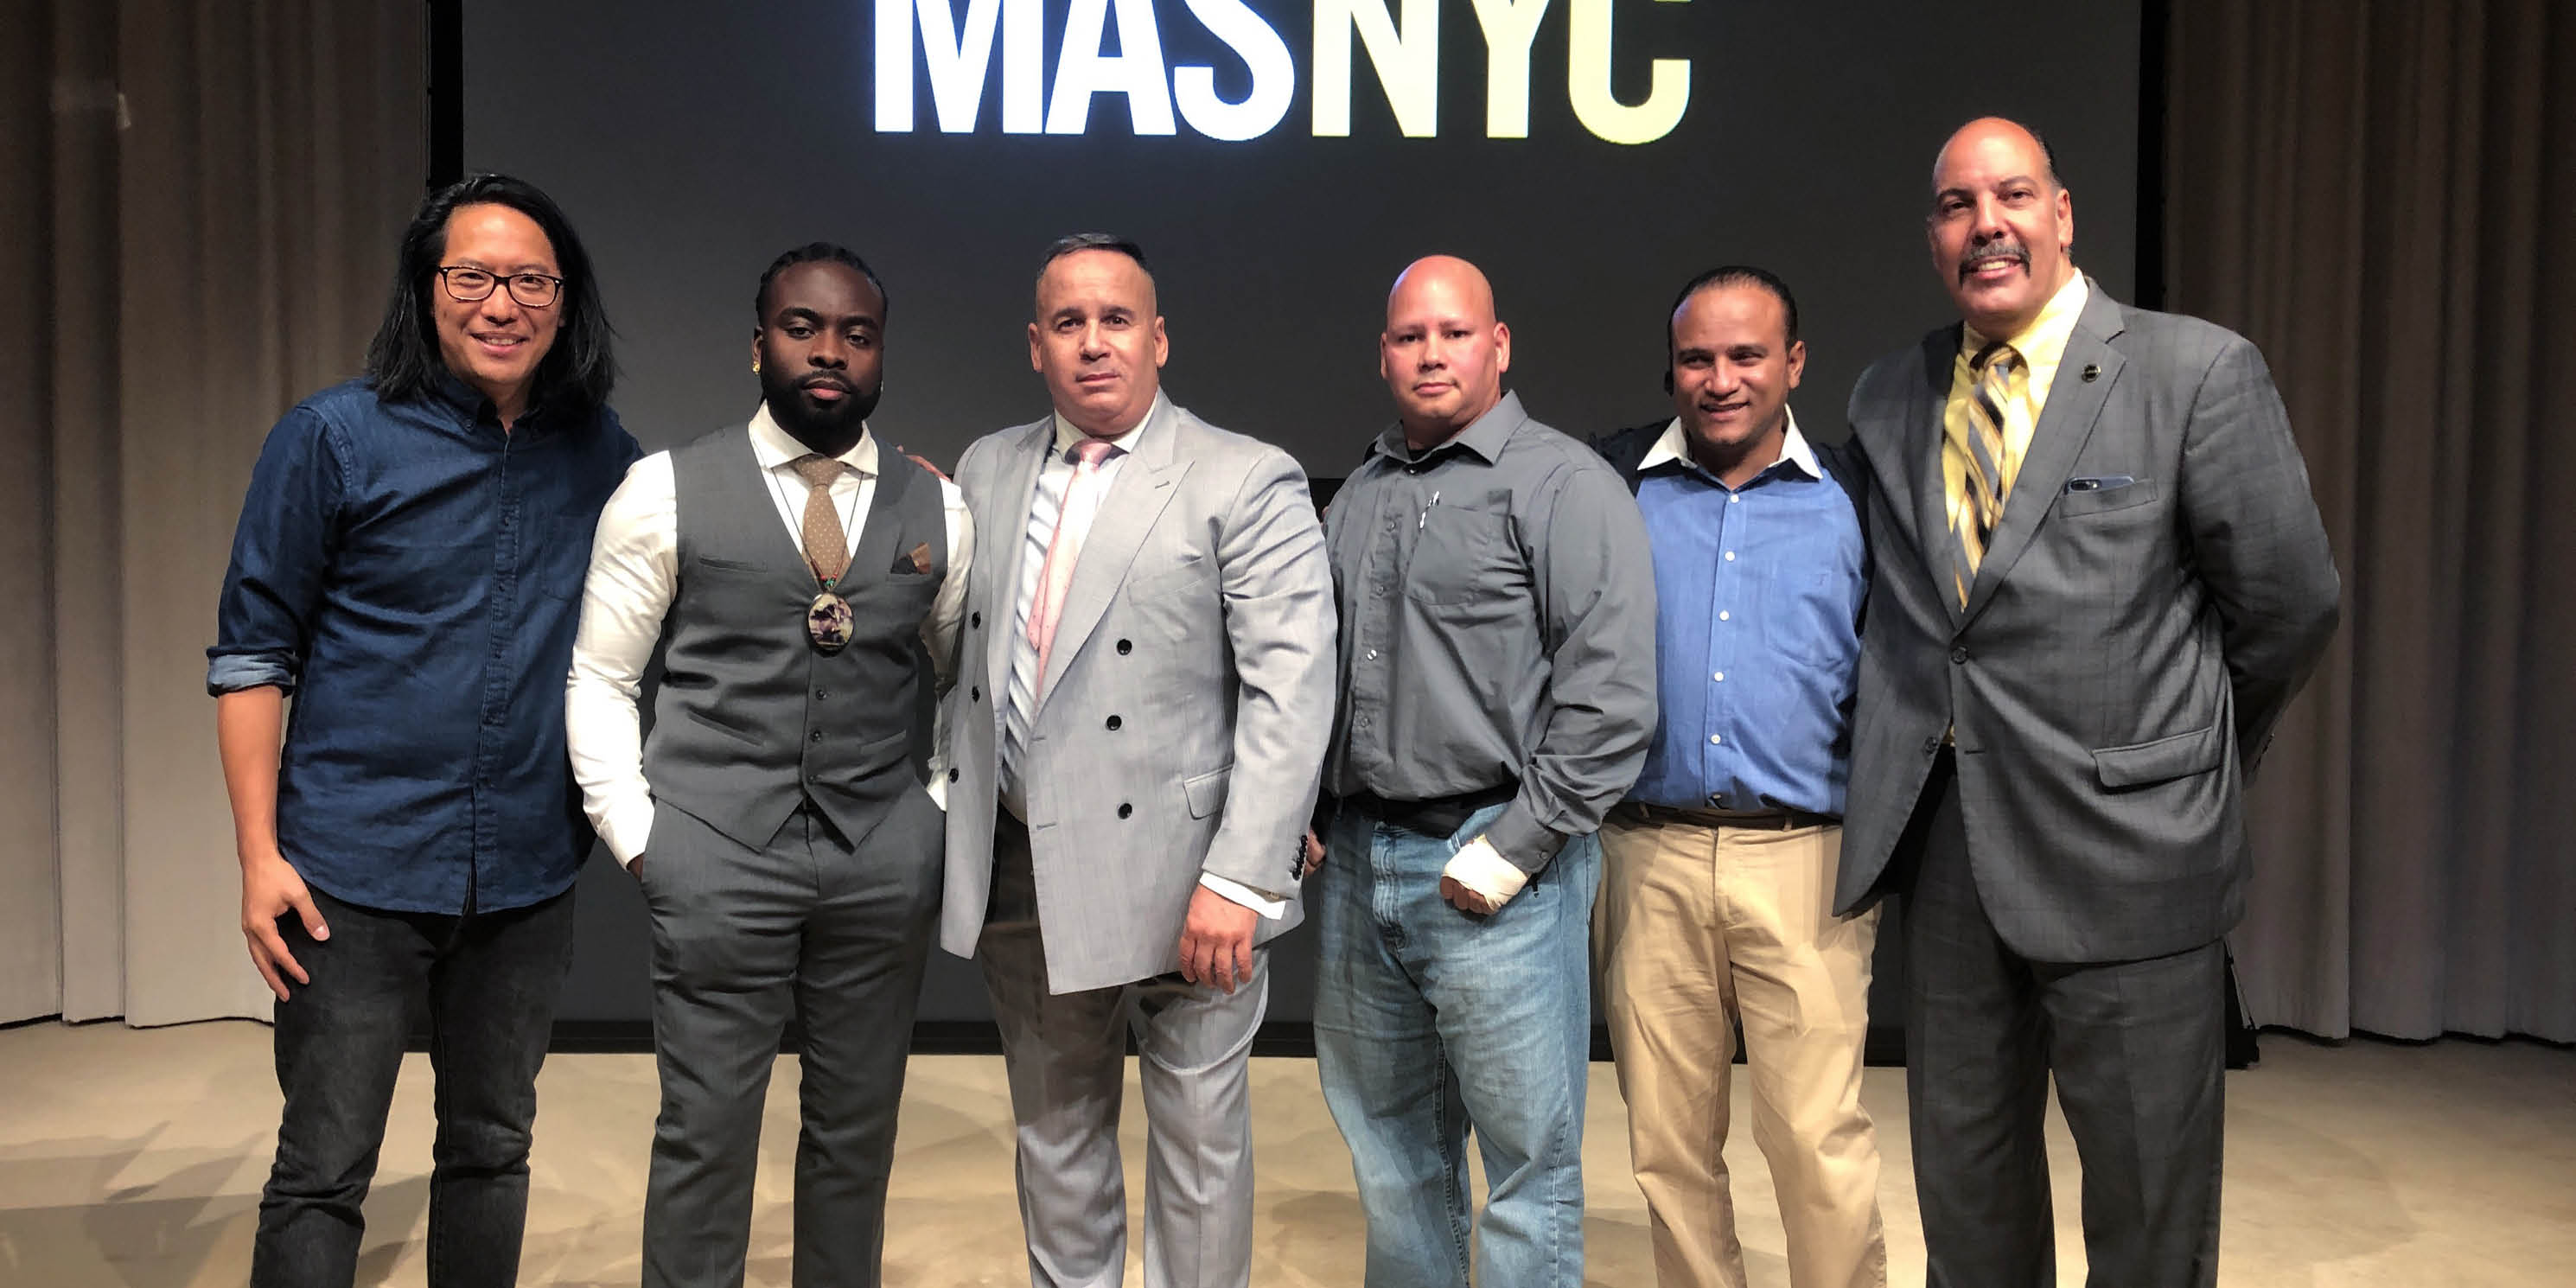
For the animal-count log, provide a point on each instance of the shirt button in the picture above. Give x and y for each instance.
(1720, 677)
(1730, 556)
(1715, 739)
(975, 693)
(1959, 655)
(974, 619)
(1114, 722)
(1732, 499)
(821, 694)
(1372, 655)
(1126, 647)
(1721, 615)
(1125, 810)
(952, 775)
(816, 736)
(1931, 746)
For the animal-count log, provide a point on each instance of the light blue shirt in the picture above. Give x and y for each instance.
(1759, 591)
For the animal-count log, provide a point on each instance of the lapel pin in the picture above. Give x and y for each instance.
(2091, 373)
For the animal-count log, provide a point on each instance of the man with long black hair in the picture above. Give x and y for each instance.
(802, 586)
(409, 567)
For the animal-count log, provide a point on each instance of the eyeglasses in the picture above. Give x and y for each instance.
(468, 285)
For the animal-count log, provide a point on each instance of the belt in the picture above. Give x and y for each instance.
(1764, 820)
(1440, 816)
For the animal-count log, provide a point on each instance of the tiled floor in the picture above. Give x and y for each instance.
(134, 1158)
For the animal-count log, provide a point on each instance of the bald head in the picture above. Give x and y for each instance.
(1443, 353)
(1447, 278)
(2003, 131)
(2002, 227)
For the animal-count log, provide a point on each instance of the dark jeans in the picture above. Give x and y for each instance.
(491, 981)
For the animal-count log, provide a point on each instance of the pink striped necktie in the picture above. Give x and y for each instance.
(1073, 520)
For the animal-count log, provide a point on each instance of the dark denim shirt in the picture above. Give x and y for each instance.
(412, 576)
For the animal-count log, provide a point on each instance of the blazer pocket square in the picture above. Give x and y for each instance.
(917, 561)
(2107, 495)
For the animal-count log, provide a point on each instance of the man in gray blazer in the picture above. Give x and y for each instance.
(1144, 689)
(2100, 577)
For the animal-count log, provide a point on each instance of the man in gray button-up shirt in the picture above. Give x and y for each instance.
(1497, 667)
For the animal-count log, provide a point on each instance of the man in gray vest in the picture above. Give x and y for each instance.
(800, 580)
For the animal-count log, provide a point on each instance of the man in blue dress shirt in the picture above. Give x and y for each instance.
(1718, 870)
(409, 567)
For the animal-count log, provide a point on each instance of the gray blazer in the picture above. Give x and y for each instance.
(1188, 698)
(2158, 589)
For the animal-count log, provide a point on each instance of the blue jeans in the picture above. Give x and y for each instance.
(491, 980)
(1430, 1021)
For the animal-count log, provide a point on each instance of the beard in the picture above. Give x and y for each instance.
(809, 423)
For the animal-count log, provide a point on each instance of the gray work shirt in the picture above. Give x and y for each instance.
(1498, 624)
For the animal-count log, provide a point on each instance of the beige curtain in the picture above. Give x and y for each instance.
(2383, 196)
(198, 209)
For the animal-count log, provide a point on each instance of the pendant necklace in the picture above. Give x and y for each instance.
(827, 620)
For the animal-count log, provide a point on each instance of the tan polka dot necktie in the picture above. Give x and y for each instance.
(827, 545)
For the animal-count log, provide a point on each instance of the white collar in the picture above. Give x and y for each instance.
(773, 446)
(1673, 447)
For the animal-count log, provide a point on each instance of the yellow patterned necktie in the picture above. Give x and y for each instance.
(1985, 481)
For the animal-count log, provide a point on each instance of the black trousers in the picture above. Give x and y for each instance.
(2137, 1051)
(491, 980)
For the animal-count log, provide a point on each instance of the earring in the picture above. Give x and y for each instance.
(755, 366)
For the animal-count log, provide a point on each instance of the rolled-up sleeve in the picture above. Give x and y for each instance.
(1595, 583)
(282, 550)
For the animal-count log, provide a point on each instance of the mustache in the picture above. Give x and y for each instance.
(2007, 248)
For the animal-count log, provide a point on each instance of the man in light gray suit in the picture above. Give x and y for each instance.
(2100, 577)
(1144, 690)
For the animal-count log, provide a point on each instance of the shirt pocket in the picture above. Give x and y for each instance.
(416, 575)
(1809, 617)
(557, 562)
(1461, 556)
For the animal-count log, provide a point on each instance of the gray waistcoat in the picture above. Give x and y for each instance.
(751, 718)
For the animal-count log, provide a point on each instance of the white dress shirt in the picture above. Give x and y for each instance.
(1021, 703)
(634, 572)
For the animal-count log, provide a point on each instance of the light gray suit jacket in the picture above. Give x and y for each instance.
(1188, 698)
(2125, 648)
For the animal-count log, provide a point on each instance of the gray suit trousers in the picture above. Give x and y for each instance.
(1066, 1056)
(2137, 1050)
(808, 926)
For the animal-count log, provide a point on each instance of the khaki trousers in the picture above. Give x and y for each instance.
(1698, 926)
